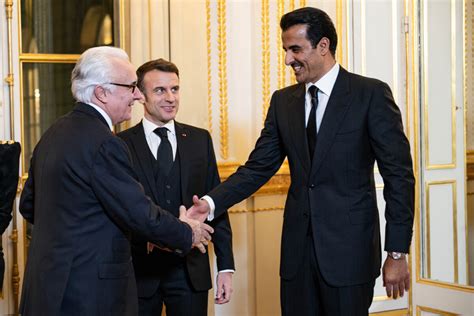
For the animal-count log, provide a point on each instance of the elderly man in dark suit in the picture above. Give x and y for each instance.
(83, 199)
(332, 126)
(172, 161)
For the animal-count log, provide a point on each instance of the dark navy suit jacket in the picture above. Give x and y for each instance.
(361, 125)
(83, 199)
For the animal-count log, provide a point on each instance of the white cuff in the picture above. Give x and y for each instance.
(212, 207)
(226, 270)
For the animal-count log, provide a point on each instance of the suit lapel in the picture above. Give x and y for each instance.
(336, 110)
(146, 161)
(296, 121)
(185, 150)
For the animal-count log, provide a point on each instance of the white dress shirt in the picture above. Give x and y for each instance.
(153, 140)
(324, 85)
(104, 115)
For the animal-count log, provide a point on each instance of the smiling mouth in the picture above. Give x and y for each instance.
(297, 67)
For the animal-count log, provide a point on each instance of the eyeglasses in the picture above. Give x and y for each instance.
(132, 86)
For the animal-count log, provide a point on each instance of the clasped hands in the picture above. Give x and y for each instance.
(194, 217)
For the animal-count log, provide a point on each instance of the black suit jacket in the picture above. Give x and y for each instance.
(83, 200)
(361, 125)
(199, 174)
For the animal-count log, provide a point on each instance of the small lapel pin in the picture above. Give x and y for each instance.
(184, 134)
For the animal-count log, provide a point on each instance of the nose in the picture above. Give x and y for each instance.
(138, 95)
(288, 57)
(169, 96)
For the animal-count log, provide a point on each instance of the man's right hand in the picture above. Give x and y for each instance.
(199, 210)
(201, 232)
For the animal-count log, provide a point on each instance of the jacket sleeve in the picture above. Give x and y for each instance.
(222, 237)
(392, 152)
(263, 162)
(124, 200)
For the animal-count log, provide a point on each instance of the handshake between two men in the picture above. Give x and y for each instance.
(194, 217)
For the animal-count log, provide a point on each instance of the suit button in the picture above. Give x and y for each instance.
(311, 186)
(168, 186)
(168, 201)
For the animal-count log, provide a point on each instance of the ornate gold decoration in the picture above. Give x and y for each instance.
(10, 81)
(339, 29)
(291, 5)
(209, 64)
(302, 3)
(278, 184)
(255, 210)
(265, 58)
(222, 46)
(435, 311)
(281, 52)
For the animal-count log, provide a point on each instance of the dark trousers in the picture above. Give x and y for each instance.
(308, 294)
(176, 293)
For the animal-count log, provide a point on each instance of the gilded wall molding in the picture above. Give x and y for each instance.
(280, 52)
(278, 184)
(223, 98)
(265, 57)
(209, 65)
(15, 274)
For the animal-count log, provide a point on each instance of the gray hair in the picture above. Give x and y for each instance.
(93, 68)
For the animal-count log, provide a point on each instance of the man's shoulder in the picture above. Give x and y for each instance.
(191, 129)
(130, 131)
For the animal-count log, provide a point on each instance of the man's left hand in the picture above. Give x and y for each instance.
(396, 277)
(224, 287)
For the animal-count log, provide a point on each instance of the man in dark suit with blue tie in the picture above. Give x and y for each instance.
(331, 126)
(83, 199)
(173, 161)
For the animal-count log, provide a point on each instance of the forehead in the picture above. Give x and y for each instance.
(295, 35)
(158, 77)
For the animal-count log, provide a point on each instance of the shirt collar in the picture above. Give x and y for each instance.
(149, 126)
(326, 83)
(103, 113)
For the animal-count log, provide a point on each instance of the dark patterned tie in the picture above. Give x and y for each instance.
(311, 132)
(164, 155)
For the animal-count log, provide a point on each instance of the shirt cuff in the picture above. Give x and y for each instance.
(226, 270)
(212, 207)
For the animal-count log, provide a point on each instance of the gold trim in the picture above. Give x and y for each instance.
(465, 105)
(409, 60)
(291, 6)
(302, 3)
(420, 309)
(265, 58)
(278, 184)
(428, 226)
(363, 40)
(280, 52)
(452, 164)
(257, 210)
(50, 58)
(150, 31)
(446, 285)
(396, 312)
(396, 42)
(15, 275)
(339, 28)
(209, 65)
(222, 47)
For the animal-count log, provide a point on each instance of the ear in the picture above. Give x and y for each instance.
(324, 45)
(100, 94)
